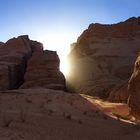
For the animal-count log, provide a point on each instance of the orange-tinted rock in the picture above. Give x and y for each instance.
(43, 71)
(119, 93)
(134, 90)
(13, 57)
(104, 56)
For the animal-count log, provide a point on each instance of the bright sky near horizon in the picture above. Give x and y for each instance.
(58, 23)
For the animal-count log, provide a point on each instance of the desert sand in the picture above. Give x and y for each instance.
(45, 114)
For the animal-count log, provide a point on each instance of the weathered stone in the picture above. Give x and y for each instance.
(1, 43)
(119, 93)
(36, 46)
(103, 57)
(134, 90)
(43, 71)
(4, 77)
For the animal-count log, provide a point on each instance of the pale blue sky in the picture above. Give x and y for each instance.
(34, 17)
(58, 23)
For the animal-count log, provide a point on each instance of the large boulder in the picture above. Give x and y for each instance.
(103, 57)
(43, 71)
(134, 90)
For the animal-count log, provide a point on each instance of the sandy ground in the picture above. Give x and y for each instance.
(43, 114)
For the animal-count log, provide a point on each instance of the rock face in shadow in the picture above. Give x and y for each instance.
(45, 114)
(43, 71)
(119, 93)
(134, 90)
(14, 56)
(1, 43)
(103, 57)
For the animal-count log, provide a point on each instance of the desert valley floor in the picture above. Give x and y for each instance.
(45, 114)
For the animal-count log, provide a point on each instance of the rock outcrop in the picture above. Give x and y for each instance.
(43, 71)
(1, 43)
(134, 90)
(103, 57)
(119, 93)
(14, 56)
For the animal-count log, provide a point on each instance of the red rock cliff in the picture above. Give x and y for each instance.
(103, 57)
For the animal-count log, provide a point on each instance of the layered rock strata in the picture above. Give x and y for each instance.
(43, 71)
(103, 57)
(14, 56)
(134, 90)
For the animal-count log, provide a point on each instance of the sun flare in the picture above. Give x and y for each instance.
(64, 67)
(59, 41)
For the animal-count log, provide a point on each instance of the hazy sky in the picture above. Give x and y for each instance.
(58, 23)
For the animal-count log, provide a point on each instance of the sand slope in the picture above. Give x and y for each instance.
(43, 114)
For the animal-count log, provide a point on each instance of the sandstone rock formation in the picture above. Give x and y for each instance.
(14, 56)
(43, 71)
(134, 90)
(119, 93)
(1, 43)
(103, 57)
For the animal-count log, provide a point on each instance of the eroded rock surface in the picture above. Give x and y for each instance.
(43, 71)
(42, 68)
(13, 57)
(134, 90)
(45, 114)
(1, 43)
(103, 57)
(119, 93)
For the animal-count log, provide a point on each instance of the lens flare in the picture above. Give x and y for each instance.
(64, 67)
